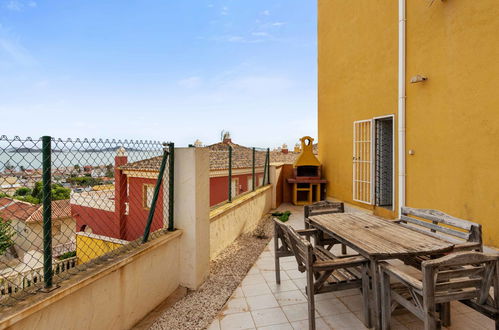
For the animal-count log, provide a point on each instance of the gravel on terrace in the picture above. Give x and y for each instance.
(198, 308)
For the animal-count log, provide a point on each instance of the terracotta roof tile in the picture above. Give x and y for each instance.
(219, 158)
(11, 209)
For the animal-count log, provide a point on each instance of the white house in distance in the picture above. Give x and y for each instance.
(27, 222)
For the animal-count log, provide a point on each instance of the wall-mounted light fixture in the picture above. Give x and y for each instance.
(418, 78)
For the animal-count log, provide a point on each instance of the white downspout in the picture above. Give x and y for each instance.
(401, 106)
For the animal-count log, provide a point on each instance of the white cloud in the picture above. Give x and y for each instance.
(265, 13)
(235, 39)
(11, 51)
(14, 5)
(18, 5)
(260, 34)
(225, 11)
(277, 24)
(239, 39)
(190, 82)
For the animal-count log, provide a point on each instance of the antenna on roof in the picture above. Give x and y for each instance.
(225, 136)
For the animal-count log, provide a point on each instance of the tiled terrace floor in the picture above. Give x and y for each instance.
(259, 303)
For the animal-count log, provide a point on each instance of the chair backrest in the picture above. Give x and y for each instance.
(301, 248)
(461, 276)
(430, 222)
(323, 207)
(281, 229)
(294, 242)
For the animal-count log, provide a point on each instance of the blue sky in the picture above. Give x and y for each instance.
(167, 70)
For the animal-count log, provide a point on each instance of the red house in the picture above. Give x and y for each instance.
(122, 213)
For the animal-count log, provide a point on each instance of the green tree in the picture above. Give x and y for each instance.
(6, 234)
(109, 171)
(85, 181)
(28, 198)
(36, 195)
(22, 191)
(37, 190)
(59, 192)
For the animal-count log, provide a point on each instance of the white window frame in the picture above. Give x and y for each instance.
(235, 187)
(148, 194)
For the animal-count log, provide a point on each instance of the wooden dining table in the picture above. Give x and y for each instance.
(377, 239)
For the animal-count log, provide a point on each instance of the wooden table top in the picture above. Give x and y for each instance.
(377, 237)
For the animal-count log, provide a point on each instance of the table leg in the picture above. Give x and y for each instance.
(376, 295)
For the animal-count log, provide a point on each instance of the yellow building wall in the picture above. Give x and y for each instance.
(357, 79)
(88, 248)
(452, 119)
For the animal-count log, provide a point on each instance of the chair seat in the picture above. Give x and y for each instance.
(342, 275)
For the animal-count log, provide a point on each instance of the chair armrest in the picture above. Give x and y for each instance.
(307, 232)
(339, 263)
(401, 276)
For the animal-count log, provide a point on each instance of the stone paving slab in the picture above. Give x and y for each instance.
(259, 303)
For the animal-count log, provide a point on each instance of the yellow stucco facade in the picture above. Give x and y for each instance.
(452, 119)
(91, 246)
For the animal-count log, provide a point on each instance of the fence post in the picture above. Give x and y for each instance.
(159, 181)
(264, 171)
(171, 191)
(47, 210)
(268, 165)
(230, 174)
(253, 170)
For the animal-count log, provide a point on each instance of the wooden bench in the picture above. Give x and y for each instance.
(325, 271)
(464, 234)
(470, 277)
(319, 208)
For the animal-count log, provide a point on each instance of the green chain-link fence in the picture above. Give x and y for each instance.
(236, 170)
(66, 205)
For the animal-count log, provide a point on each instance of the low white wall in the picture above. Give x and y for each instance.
(241, 216)
(114, 297)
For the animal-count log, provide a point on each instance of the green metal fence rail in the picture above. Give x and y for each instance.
(152, 210)
(69, 204)
(171, 177)
(230, 174)
(253, 178)
(47, 210)
(268, 166)
(247, 169)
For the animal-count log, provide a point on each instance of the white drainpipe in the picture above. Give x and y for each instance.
(401, 105)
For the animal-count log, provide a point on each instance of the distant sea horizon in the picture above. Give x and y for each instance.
(32, 159)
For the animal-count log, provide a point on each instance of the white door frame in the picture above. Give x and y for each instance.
(356, 162)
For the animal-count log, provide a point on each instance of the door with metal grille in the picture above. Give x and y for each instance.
(384, 161)
(363, 155)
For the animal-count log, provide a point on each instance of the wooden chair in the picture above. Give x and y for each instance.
(325, 271)
(465, 276)
(282, 245)
(324, 207)
(464, 234)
